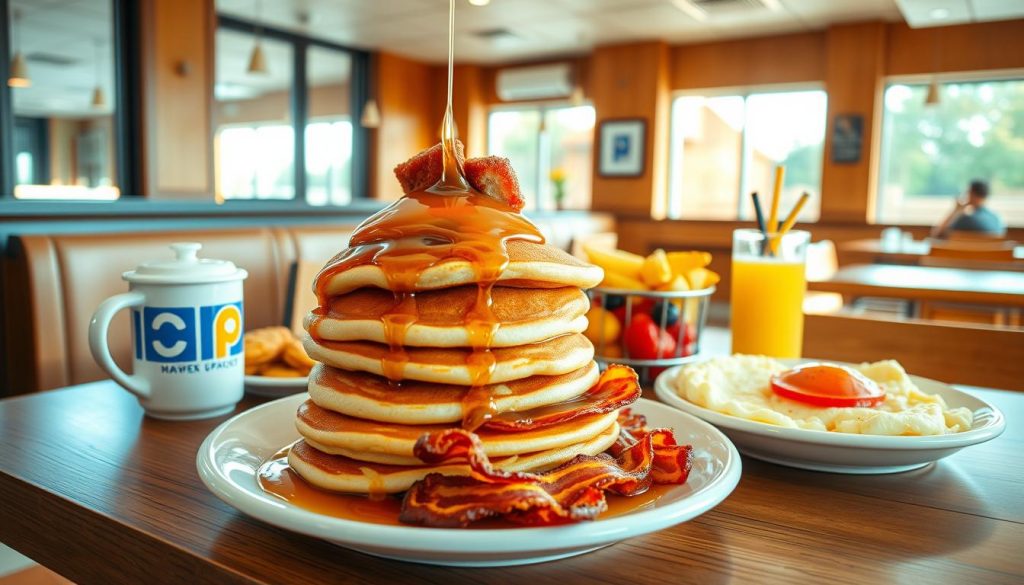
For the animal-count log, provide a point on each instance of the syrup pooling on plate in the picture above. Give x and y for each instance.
(275, 477)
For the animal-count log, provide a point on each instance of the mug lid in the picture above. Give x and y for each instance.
(185, 268)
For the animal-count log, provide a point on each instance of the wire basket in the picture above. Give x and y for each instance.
(691, 310)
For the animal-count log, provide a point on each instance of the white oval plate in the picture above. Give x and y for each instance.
(230, 456)
(271, 387)
(844, 452)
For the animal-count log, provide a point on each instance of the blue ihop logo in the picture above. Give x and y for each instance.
(187, 334)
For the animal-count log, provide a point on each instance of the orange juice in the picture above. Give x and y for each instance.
(767, 306)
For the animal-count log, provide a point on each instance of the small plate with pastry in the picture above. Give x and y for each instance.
(276, 364)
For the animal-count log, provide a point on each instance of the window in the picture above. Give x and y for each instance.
(543, 142)
(254, 138)
(725, 146)
(284, 126)
(63, 95)
(329, 130)
(930, 152)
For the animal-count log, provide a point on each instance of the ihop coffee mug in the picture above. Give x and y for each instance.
(186, 335)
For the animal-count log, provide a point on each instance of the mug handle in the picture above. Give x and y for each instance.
(98, 329)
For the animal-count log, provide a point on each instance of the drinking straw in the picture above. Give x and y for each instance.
(773, 217)
(790, 221)
(760, 220)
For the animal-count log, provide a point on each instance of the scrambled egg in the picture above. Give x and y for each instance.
(739, 386)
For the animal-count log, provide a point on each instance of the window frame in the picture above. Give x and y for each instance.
(876, 217)
(542, 107)
(673, 205)
(124, 28)
(299, 102)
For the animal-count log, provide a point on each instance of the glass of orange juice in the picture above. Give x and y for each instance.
(768, 286)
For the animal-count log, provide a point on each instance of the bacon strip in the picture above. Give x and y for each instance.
(618, 386)
(571, 492)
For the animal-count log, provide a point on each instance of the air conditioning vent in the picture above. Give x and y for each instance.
(713, 6)
(50, 59)
(537, 82)
(496, 34)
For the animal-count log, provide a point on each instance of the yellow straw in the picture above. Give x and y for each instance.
(790, 220)
(773, 217)
(788, 224)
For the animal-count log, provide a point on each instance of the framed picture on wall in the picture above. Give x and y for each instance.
(621, 147)
(847, 136)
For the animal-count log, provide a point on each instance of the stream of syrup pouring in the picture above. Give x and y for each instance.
(448, 221)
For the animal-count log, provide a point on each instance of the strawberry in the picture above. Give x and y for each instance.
(646, 341)
(423, 170)
(494, 176)
(688, 338)
(639, 305)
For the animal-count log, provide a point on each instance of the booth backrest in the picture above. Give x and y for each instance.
(54, 283)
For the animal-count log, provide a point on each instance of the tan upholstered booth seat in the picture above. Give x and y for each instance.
(55, 282)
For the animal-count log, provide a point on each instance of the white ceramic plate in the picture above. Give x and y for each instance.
(271, 387)
(844, 452)
(230, 456)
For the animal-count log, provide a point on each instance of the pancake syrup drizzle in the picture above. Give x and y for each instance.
(448, 221)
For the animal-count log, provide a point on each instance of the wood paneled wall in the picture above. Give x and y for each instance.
(405, 90)
(177, 87)
(631, 81)
(855, 67)
(796, 58)
(972, 47)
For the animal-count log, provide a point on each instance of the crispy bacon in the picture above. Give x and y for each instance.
(618, 386)
(571, 492)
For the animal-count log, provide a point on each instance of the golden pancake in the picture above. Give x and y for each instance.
(524, 316)
(369, 440)
(341, 474)
(531, 265)
(559, 355)
(372, 397)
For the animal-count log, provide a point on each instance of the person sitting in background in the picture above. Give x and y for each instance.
(971, 215)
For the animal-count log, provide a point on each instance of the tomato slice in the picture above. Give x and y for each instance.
(827, 385)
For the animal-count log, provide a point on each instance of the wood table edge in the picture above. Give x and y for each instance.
(57, 532)
(871, 290)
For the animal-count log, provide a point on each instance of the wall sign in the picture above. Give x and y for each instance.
(847, 136)
(622, 147)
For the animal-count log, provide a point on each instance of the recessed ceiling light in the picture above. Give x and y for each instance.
(479, 2)
(939, 13)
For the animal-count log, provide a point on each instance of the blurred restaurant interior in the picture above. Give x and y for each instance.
(267, 130)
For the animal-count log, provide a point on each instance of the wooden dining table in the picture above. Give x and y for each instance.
(96, 491)
(909, 252)
(927, 283)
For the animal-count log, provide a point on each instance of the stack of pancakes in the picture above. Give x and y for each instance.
(370, 401)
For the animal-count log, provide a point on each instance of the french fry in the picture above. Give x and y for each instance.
(683, 262)
(615, 280)
(616, 261)
(656, 270)
(678, 282)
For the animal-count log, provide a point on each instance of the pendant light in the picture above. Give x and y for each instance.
(370, 117)
(99, 99)
(371, 114)
(932, 98)
(257, 61)
(19, 69)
